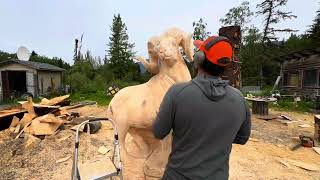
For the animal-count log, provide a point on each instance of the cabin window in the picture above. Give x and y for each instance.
(291, 79)
(310, 78)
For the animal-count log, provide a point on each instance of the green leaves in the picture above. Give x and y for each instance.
(200, 30)
(120, 52)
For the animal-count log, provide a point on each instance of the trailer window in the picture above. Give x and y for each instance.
(310, 78)
(291, 79)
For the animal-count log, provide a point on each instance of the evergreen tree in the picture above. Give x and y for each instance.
(120, 53)
(270, 9)
(314, 31)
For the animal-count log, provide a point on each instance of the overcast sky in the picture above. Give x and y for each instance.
(50, 27)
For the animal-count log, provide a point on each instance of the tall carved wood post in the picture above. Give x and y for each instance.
(232, 72)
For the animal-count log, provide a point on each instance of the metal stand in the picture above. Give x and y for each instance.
(75, 175)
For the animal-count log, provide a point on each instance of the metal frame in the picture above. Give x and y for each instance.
(75, 175)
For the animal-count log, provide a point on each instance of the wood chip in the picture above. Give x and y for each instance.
(26, 119)
(304, 125)
(15, 121)
(50, 118)
(317, 150)
(103, 150)
(63, 159)
(303, 165)
(17, 129)
(25, 127)
(284, 163)
(31, 141)
(64, 138)
(45, 125)
(286, 117)
(253, 139)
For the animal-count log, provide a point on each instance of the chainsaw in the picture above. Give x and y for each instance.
(305, 141)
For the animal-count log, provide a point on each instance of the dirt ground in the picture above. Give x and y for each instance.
(266, 156)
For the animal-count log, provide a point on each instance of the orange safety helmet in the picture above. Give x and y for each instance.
(216, 49)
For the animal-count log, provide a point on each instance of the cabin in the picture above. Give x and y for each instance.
(20, 77)
(300, 73)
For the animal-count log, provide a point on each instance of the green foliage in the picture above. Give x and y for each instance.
(200, 30)
(53, 61)
(250, 55)
(6, 56)
(238, 16)
(290, 105)
(120, 54)
(314, 31)
(98, 96)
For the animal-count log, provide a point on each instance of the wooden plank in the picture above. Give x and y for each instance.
(15, 121)
(55, 101)
(44, 125)
(12, 112)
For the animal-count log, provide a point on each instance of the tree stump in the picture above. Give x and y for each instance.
(317, 128)
(260, 108)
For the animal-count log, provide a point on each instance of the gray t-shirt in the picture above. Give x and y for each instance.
(206, 115)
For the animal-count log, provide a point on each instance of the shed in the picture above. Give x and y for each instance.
(18, 77)
(300, 73)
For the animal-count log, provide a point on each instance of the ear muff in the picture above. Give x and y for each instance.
(215, 41)
(198, 58)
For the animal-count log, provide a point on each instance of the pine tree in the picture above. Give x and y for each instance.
(270, 9)
(119, 53)
(314, 31)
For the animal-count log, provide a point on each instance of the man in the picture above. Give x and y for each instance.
(206, 115)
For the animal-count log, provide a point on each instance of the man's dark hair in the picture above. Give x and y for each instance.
(212, 69)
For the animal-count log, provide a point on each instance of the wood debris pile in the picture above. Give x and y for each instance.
(44, 118)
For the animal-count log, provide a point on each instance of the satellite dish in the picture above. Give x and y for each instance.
(23, 53)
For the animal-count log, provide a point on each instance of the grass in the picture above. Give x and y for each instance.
(99, 96)
(287, 105)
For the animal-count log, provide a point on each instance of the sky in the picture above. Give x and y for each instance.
(49, 27)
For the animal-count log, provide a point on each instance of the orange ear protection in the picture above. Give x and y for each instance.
(217, 50)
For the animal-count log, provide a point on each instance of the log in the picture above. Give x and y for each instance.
(260, 108)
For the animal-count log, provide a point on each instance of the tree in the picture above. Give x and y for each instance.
(270, 9)
(238, 16)
(314, 31)
(120, 53)
(249, 54)
(200, 30)
(75, 56)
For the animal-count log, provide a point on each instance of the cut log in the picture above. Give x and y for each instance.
(260, 108)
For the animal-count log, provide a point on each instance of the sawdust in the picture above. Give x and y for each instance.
(263, 158)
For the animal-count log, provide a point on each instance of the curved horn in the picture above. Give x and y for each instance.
(183, 39)
(151, 65)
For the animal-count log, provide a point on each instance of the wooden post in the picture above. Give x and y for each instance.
(317, 128)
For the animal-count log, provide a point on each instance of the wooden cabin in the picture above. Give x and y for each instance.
(300, 73)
